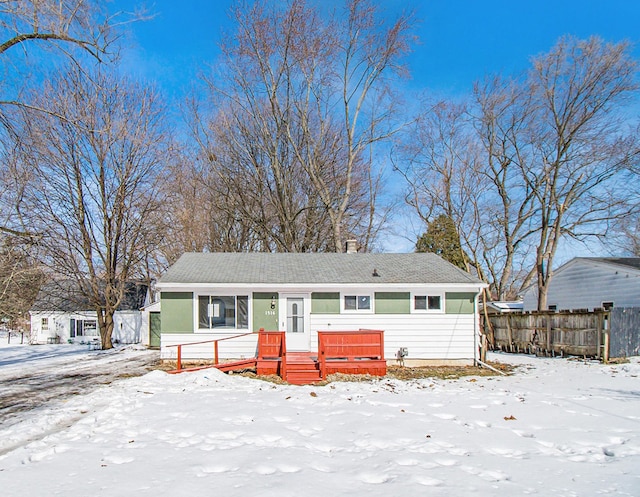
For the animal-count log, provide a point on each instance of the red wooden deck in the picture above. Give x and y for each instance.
(349, 352)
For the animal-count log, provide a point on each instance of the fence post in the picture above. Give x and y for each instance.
(215, 352)
(599, 336)
(179, 358)
(549, 341)
(607, 329)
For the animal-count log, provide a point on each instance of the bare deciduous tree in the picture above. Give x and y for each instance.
(502, 120)
(20, 279)
(300, 103)
(96, 174)
(581, 144)
(35, 34)
(548, 156)
(443, 176)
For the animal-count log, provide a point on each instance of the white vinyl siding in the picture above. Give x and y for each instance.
(238, 348)
(430, 336)
(427, 336)
(585, 284)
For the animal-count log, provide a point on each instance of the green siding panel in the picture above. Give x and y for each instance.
(176, 312)
(393, 302)
(459, 303)
(155, 328)
(325, 303)
(263, 315)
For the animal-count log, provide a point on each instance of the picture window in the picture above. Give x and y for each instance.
(223, 311)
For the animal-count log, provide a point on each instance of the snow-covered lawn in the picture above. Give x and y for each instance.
(34, 376)
(556, 427)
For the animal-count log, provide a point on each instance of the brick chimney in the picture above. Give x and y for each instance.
(352, 246)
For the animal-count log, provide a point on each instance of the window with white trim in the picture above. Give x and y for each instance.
(428, 303)
(357, 303)
(83, 328)
(223, 311)
(44, 324)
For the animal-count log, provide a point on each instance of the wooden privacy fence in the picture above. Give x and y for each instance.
(583, 333)
(625, 332)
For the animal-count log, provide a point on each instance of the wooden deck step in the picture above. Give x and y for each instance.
(302, 369)
(302, 357)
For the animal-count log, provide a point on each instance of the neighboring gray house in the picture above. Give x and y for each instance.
(420, 301)
(61, 314)
(590, 283)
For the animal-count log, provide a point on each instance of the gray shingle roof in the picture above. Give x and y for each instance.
(307, 268)
(633, 262)
(65, 296)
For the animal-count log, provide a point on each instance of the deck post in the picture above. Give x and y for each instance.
(215, 352)
(321, 356)
(179, 358)
(283, 356)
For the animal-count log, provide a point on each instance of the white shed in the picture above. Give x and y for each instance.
(62, 314)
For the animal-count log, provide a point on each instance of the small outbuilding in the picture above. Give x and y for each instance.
(62, 314)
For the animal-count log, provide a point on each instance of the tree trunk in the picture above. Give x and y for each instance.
(542, 288)
(106, 324)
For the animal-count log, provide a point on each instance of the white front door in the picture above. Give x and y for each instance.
(294, 319)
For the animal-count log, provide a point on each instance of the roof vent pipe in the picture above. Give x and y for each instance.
(352, 246)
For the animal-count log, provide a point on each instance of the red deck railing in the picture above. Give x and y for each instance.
(349, 347)
(271, 347)
(355, 352)
(215, 348)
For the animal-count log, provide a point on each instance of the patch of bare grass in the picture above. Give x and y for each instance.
(400, 373)
(446, 372)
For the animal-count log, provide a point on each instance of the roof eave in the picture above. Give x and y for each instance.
(185, 286)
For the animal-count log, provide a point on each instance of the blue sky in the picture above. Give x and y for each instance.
(460, 41)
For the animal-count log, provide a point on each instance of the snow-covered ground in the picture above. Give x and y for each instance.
(556, 427)
(33, 376)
